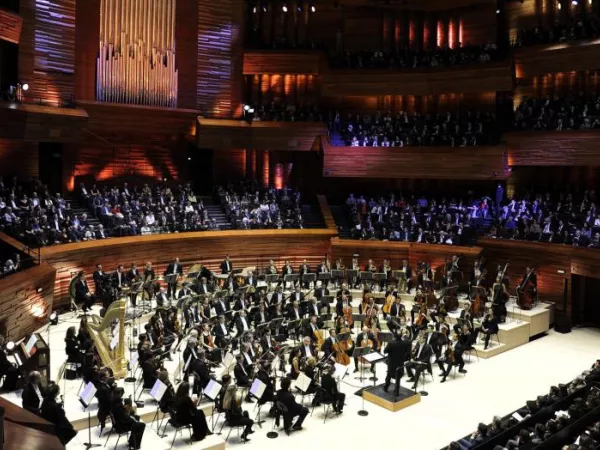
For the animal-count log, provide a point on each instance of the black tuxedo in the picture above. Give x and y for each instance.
(269, 392)
(98, 279)
(31, 401)
(293, 409)
(118, 276)
(221, 308)
(304, 352)
(226, 267)
(396, 309)
(124, 421)
(55, 414)
(81, 294)
(398, 352)
(331, 392)
(252, 281)
(104, 396)
(241, 375)
(423, 355)
(203, 289)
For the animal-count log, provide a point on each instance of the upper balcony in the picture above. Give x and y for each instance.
(471, 78)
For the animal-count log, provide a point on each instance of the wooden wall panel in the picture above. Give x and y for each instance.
(22, 308)
(229, 165)
(87, 37)
(116, 164)
(554, 148)
(546, 258)
(20, 159)
(521, 15)
(293, 136)
(186, 32)
(220, 58)
(114, 124)
(469, 163)
(11, 25)
(246, 248)
(47, 50)
(477, 78)
(479, 24)
(433, 254)
(279, 62)
(570, 56)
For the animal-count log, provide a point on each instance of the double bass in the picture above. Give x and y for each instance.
(526, 292)
(348, 312)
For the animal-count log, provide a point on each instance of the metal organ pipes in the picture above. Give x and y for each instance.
(136, 62)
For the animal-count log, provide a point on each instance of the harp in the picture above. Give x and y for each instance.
(101, 334)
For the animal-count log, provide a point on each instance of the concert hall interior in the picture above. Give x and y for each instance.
(272, 223)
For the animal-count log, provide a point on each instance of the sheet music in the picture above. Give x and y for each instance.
(228, 360)
(114, 342)
(303, 382)
(158, 390)
(340, 370)
(30, 343)
(134, 358)
(373, 356)
(212, 389)
(258, 388)
(517, 416)
(87, 395)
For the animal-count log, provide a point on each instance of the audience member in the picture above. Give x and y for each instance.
(574, 112)
(587, 27)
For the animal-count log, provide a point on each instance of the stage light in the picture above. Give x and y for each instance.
(574, 2)
(254, 10)
(284, 8)
(299, 8)
(54, 318)
(10, 347)
(251, 111)
(560, 271)
(497, 11)
(189, 159)
(313, 9)
(559, 6)
(246, 107)
(264, 9)
(25, 87)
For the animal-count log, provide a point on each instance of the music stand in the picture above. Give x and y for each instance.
(379, 277)
(271, 278)
(357, 353)
(385, 337)
(308, 278)
(373, 358)
(85, 399)
(211, 391)
(157, 392)
(290, 278)
(295, 325)
(337, 275)
(366, 276)
(351, 274)
(324, 277)
(257, 390)
(358, 318)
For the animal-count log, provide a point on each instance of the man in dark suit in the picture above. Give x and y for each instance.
(82, 292)
(330, 390)
(203, 286)
(290, 408)
(55, 414)
(226, 266)
(33, 393)
(365, 335)
(242, 324)
(104, 396)
(175, 268)
(119, 278)
(297, 295)
(127, 421)
(98, 277)
(240, 372)
(398, 352)
(307, 349)
(311, 308)
(420, 362)
(251, 280)
(294, 313)
(220, 331)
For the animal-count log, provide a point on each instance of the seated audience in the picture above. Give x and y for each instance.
(586, 27)
(573, 112)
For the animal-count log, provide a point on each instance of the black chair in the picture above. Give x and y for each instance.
(327, 404)
(116, 429)
(174, 422)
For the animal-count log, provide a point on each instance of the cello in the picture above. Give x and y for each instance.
(526, 292)
(347, 312)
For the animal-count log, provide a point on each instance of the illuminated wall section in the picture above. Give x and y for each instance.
(136, 62)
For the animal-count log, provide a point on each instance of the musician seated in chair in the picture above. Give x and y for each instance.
(292, 409)
(54, 413)
(187, 413)
(311, 328)
(330, 391)
(104, 396)
(241, 374)
(489, 327)
(234, 414)
(126, 420)
(363, 338)
(72, 349)
(82, 292)
(33, 393)
(421, 361)
(263, 375)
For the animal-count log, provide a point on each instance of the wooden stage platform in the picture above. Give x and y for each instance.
(388, 400)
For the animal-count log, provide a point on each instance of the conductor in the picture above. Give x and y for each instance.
(398, 352)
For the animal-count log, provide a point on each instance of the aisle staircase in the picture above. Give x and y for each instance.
(342, 222)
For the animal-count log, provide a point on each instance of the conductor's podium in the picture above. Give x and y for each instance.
(388, 400)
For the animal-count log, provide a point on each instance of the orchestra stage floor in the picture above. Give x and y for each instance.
(491, 387)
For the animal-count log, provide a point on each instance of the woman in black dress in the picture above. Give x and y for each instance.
(188, 413)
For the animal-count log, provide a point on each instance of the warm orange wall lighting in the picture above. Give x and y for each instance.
(451, 29)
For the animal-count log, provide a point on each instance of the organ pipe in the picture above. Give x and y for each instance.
(136, 62)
